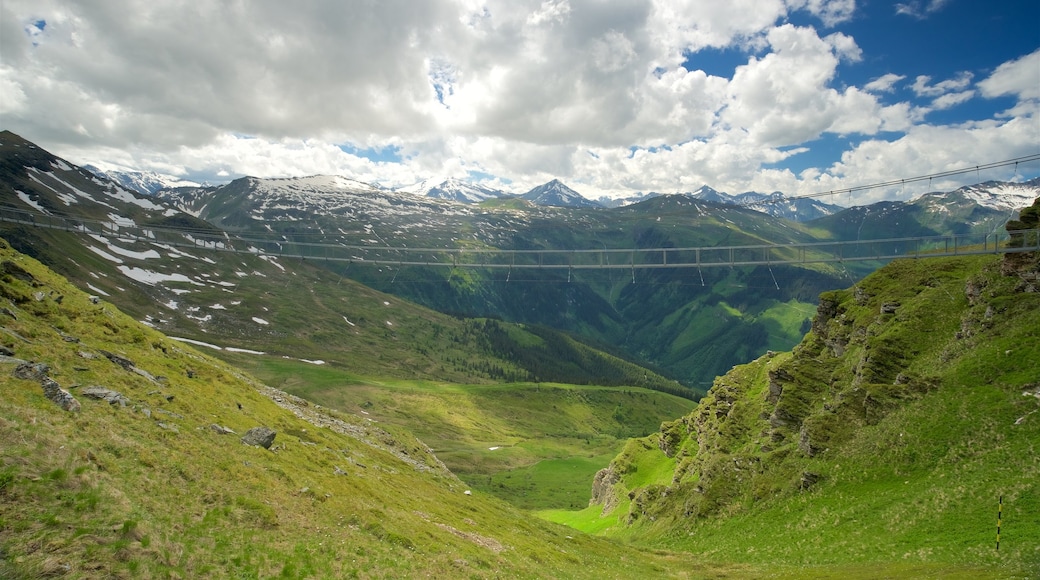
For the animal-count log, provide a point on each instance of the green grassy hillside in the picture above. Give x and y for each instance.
(883, 442)
(157, 483)
(534, 445)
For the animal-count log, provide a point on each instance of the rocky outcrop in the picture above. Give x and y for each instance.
(32, 371)
(602, 488)
(259, 437)
(103, 394)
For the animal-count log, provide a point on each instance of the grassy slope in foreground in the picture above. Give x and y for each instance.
(883, 441)
(150, 489)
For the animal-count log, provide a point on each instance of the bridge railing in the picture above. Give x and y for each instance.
(487, 257)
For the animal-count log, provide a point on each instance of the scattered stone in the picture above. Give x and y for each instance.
(17, 271)
(39, 296)
(169, 398)
(6, 351)
(122, 361)
(87, 355)
(143, 373)
(8, 312)
(889, 307)
(67, 337)
(146, 412)
(12, 360)
(809, 479)
(338, 471)
(103, 394)
(53, 391)
(81, 369)
(221, 430)
(170, 413)
(31, 371)
(10, 332)
(259, 436)
(168, 427)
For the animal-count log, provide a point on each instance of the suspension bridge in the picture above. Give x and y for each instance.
(578, 259)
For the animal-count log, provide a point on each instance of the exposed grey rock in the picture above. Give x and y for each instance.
(6, 359)
(8, 312)
(86, 355)
(53, 391)
(17, 271)
(221, 430)
(889, 307)
(602, 487)
(31, 371)
(101, 393)
(809, 479)
(259, 436)
(143, 373)
(6, 351)
(119, 360)
(168, 427)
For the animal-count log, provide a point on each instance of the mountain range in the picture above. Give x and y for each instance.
(1001, 196)
(689, 325)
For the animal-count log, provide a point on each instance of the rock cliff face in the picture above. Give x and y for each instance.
(769, 428)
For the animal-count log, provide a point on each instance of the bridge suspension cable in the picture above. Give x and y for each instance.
(578, 259)
(908, 180)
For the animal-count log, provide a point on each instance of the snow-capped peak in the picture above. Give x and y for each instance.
(146, 182)
(555, 193)
(998, 195)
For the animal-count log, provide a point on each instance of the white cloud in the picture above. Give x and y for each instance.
(884, 84)
(830, 12)
(922, 86)
(1020, 77)
(785, 98)
(524, 90)
(950, 100)
(920, 9)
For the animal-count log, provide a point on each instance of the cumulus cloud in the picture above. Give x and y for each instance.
(1020, 77)
(606, 95)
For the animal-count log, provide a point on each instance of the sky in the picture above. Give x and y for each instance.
(613, 97)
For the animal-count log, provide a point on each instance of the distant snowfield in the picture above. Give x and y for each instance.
(105, 255)
(239, 350)
(196, 342)
(25, 197)
(97, 290)
(152, 278)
